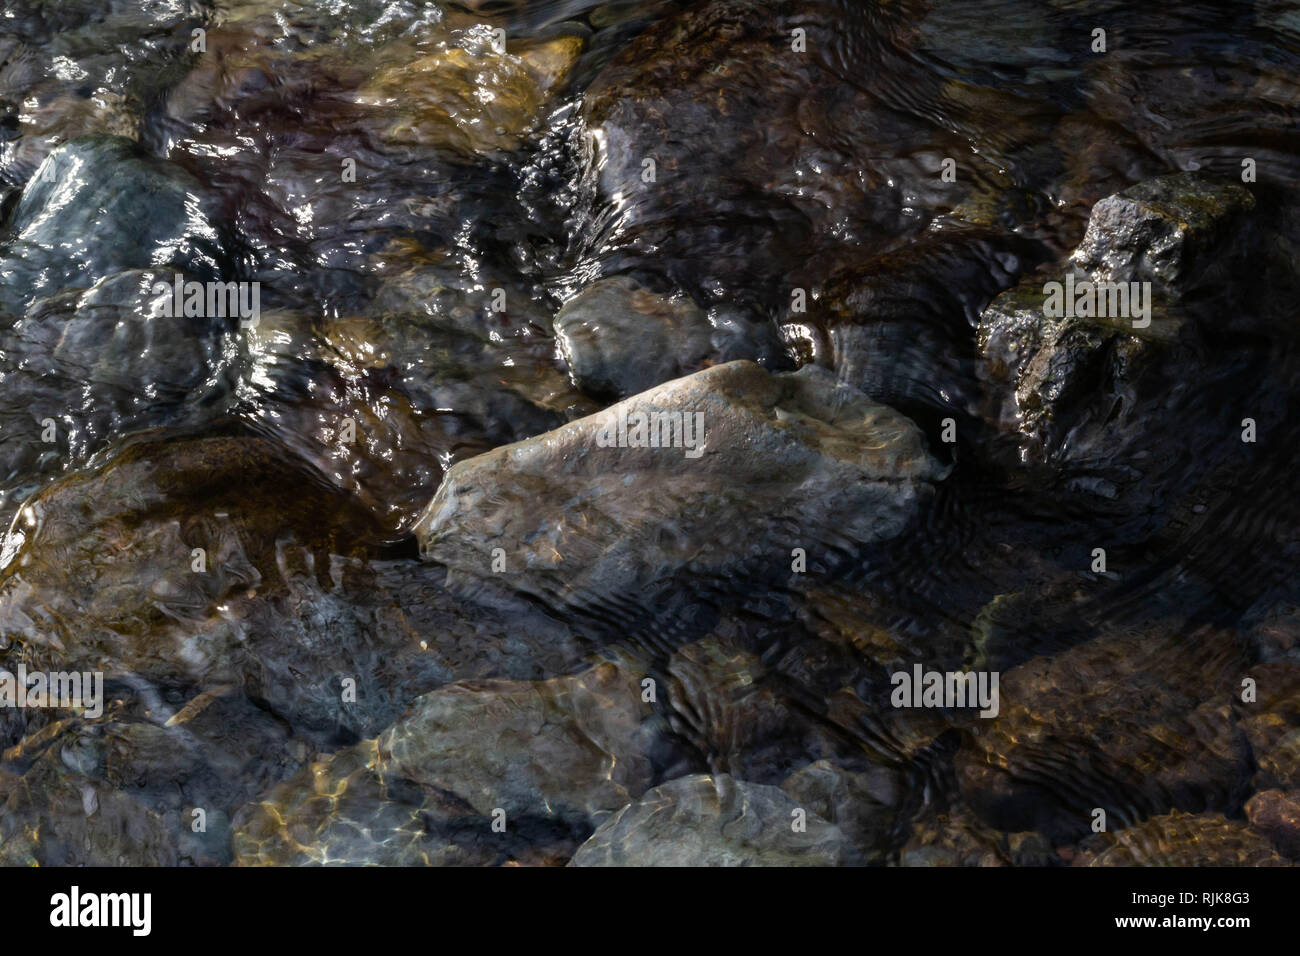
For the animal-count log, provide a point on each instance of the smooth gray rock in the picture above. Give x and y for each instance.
(714, 821)
(786, 461)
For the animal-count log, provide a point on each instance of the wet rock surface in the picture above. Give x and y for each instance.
(391, 573)
(607, 514)
(714, 821)
(135, 211)
(575, 745)
(1181, 838)
(1083, 379)
(1190, 755)
(609, 329)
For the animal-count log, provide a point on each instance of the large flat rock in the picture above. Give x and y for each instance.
(785, 462)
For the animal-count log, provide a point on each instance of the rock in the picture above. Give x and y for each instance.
(215, 751)
(379, 405)
(1179, 232)
(189, 763)
(81, 68)
(619, 338)
(339, 812)
(469, 97)
(781, 462)
(1092, 396)
(1133, 722)
(83, 368)
(334, 136)
(1276, 814)
(955, 837)
(898, 325)
(864, 805)
(55, 816)
(750, 719)
(288, 594)
(683, 94)
(129, 210)
(1272, 725)
(1181, 839)
(714, 821)
(575, 747)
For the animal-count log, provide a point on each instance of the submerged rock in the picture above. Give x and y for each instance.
(863, 804)
(758, 465)
(340, 812)
(75, 68)
(53, 816)
(715, 821)
(382, 405)
(898, 325)
(178, 768)
(1131, 723)
(83, 368)
(1276, 814)
(127, 209)
(752, 718)
(956, 838)
(1272, 725)
(1181, 839)
(468, 95)
(200, 563)
(571, 746)
(619, 338)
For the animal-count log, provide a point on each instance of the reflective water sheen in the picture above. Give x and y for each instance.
(372, 576)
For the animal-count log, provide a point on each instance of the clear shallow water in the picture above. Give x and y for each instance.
(415, 207)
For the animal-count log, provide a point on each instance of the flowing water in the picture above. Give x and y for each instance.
(459, 226)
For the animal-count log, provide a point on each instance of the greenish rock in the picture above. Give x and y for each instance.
(1178, 232)
(715, 821)
(1091, 396)
(128, 210)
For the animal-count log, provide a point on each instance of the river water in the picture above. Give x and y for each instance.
(311, 649)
